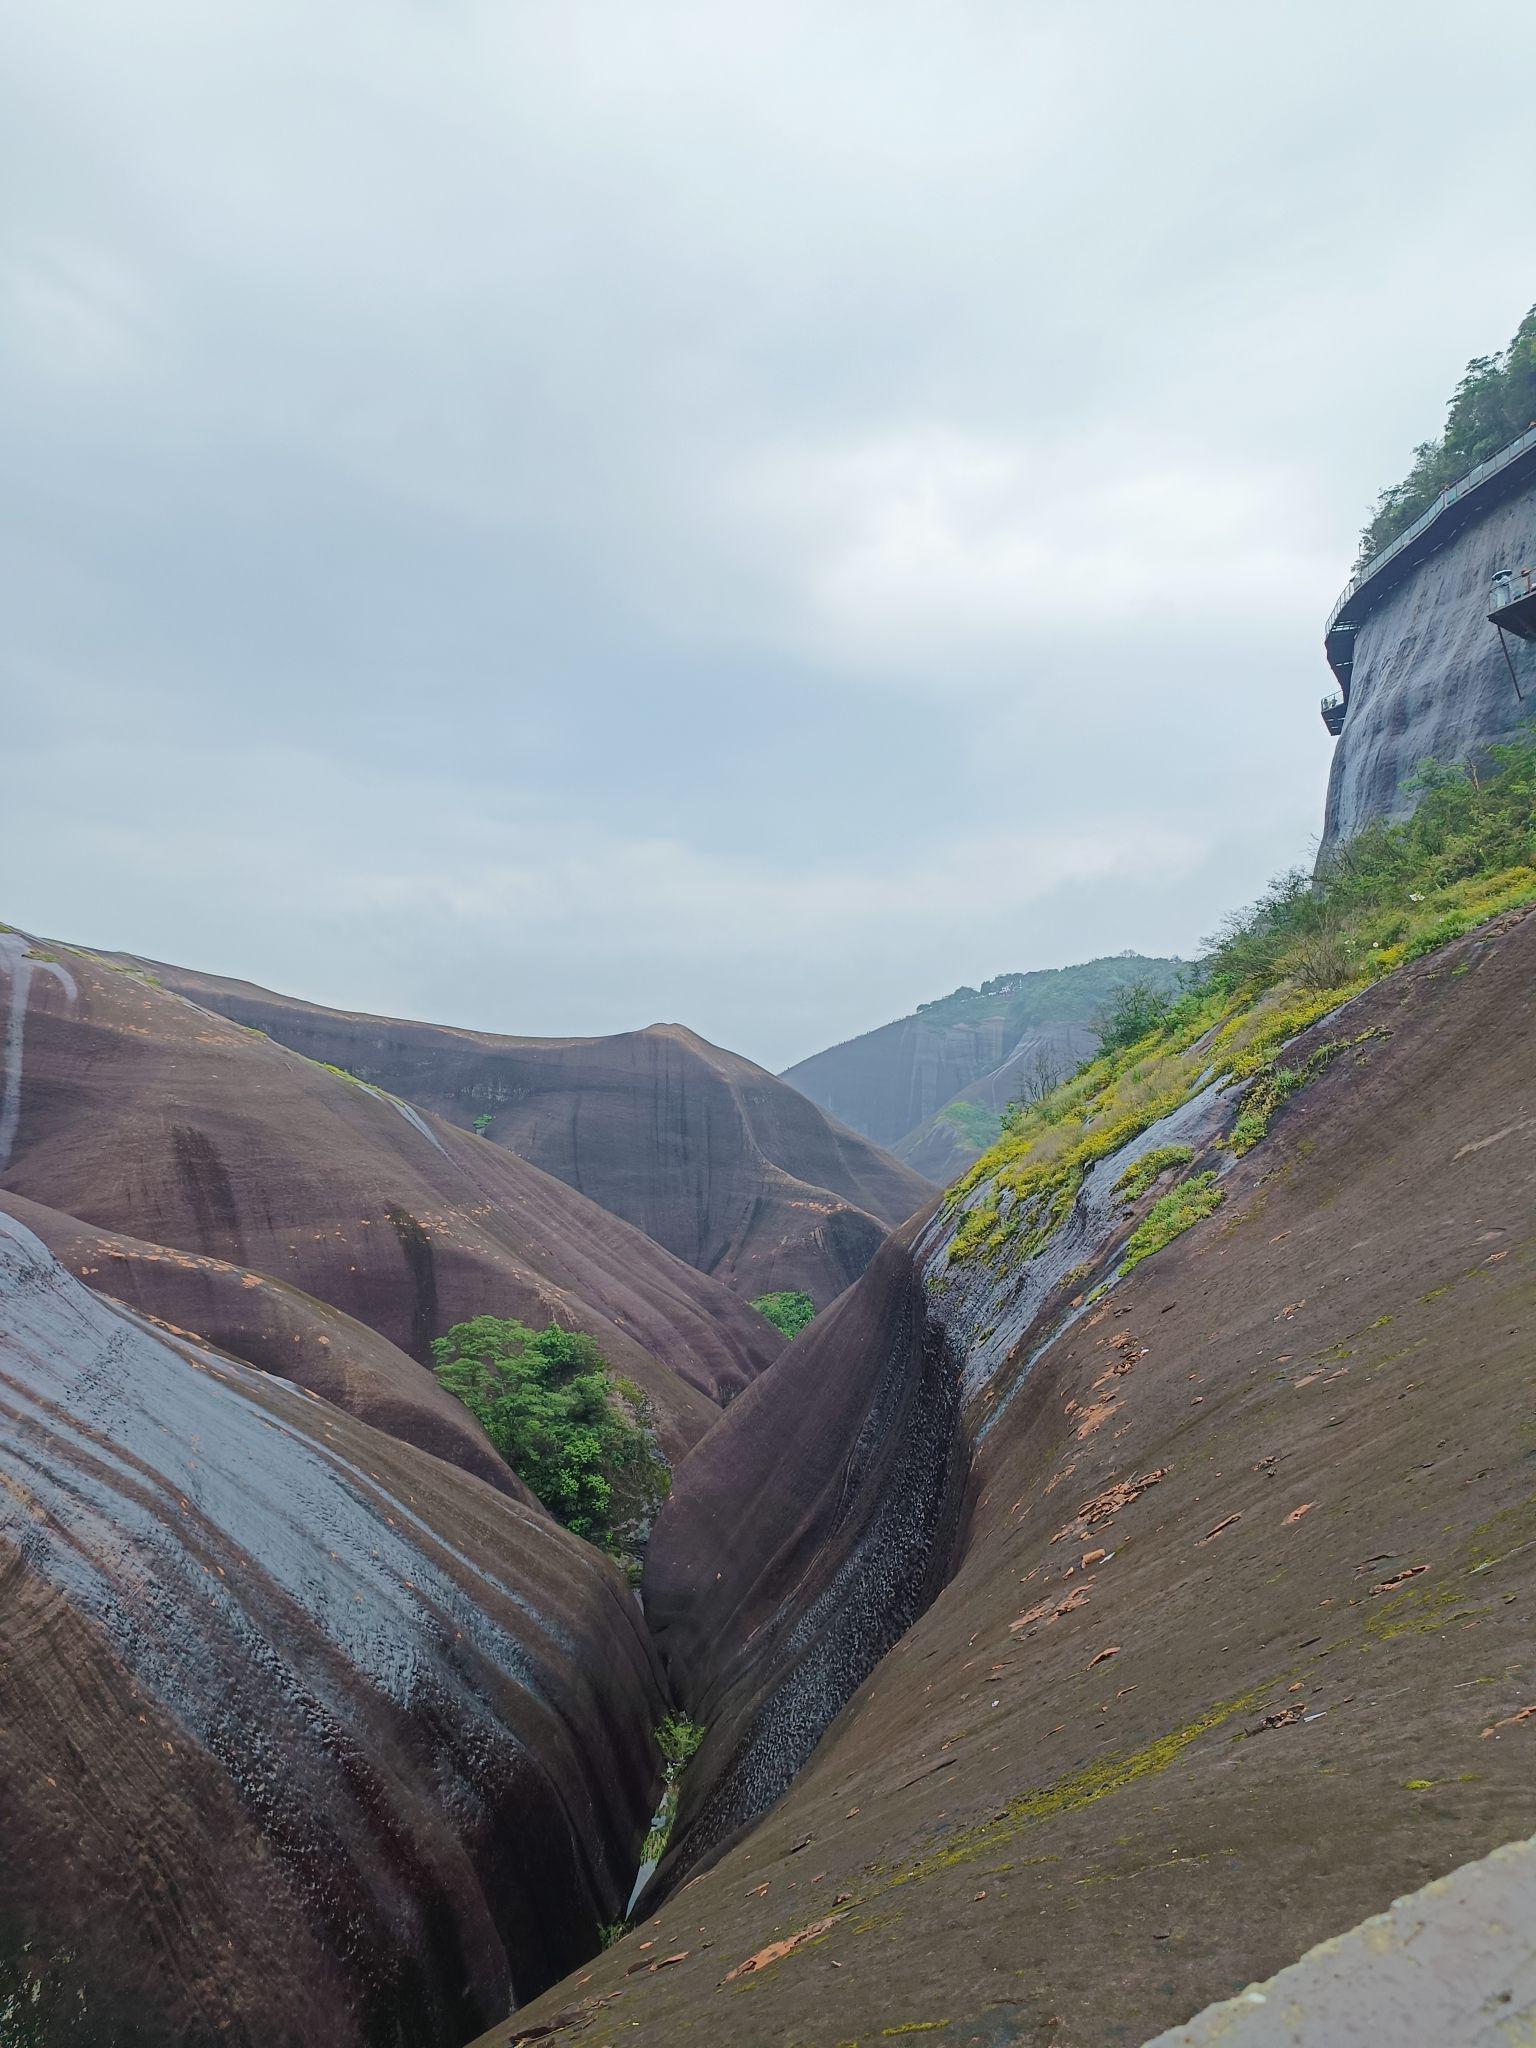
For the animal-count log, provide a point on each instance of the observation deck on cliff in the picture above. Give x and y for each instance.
(1512, 603)
(1456, 506)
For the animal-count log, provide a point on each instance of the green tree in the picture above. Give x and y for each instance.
(1494, 402)
(787, 1310)
(1135, 1008)
(573, 1434)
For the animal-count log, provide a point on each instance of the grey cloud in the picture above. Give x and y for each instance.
(813, 440)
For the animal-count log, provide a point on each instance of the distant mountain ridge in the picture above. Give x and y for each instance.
(931, 1087)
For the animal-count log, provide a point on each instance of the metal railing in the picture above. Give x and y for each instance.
(1509, 587)
(1451, 495)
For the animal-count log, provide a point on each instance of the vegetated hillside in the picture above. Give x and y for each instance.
(130, 1109)
(933, 1086)
(1492, 405)
(304, 1735)
(731, 1170)
(1239, 1640)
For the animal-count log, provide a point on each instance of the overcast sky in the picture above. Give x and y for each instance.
(559, 514)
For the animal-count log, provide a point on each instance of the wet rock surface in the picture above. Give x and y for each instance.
(730, 1169)
(278, 1330)
(1429, 676)
(304, 1735)
(1238, 1643)
(141, 1114)
(768, 1621)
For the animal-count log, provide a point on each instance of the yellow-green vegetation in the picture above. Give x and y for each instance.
(1393, 893)
(678, 1738)
(133, 971)
(1068, 1795)
(1151, 1166)
(1274, 1085)
(1177, 1211)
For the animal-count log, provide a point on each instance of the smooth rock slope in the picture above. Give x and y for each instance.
(274, 1327)
(304, 1735)
(1238, 1645)
(140, 1114)
(735, 1173)
(767, 1621)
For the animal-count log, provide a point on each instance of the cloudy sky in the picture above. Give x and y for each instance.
(558, 514)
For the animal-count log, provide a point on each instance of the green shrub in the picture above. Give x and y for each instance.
(482, 1123)
(1177, 1211)
(977, 1125)
(787, 1310)
(1494, 402)
(1132, 1012)
(1413, 882)
(678, 1738)
(574, 1435)
(1438, 935)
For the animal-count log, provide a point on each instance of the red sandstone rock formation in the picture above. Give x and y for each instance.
(304, 1735)
(729, 1168)
(276, 1328)
(138, 1113)
(1239, 1644)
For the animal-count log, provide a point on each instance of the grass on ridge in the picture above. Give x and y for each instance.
(1394, 893)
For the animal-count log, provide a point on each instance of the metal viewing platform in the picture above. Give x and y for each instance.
(1512, 603)
(1512, 608)
(1456, 505)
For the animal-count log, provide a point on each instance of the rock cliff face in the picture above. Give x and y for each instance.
(1429, 677)
(729, 1169)
(304, 1735)
(1236, 1640)
(768, 1621)
(137, 1113)
(932, 1085)
(277, 1329)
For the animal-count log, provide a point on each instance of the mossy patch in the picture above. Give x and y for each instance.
(1169, 1217)
(1274, 1085)
(1070, 1794)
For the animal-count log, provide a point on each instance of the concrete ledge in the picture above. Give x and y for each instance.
(1451, 1966)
